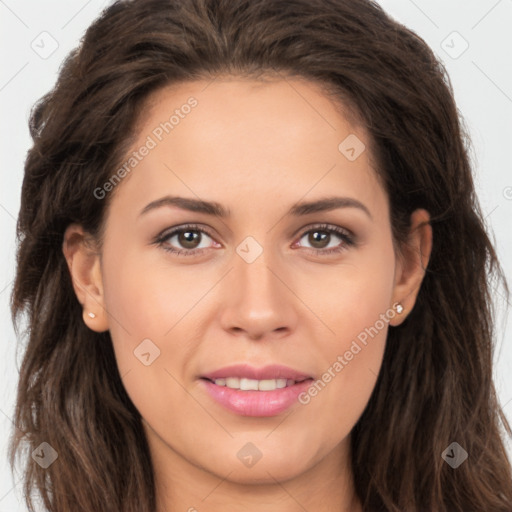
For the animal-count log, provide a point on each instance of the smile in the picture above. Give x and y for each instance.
(239, 395)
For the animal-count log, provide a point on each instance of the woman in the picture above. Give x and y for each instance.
(325, 341)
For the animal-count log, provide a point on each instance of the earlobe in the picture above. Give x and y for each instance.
(412, 264)
(84, 266)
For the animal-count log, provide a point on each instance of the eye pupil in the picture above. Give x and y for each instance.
(188, 239)
(313, 239)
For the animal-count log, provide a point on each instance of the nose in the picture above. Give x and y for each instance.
(258, 299)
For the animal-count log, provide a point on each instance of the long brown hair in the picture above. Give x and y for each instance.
(435, 386)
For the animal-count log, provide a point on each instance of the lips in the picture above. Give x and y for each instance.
(250, 391)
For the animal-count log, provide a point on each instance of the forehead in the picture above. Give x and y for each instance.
(248, 140)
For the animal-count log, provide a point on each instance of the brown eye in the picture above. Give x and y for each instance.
(185, 241)
(189, 239)
(320, 238)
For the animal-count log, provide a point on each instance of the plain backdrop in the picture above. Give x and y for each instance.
(472, 37)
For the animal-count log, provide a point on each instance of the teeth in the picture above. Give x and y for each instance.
(253, 384)
(232, 382)
(248, 384)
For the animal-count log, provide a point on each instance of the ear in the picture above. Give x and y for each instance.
(412, 263)
(84, 265)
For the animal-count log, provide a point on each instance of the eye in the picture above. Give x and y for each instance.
(322, 235)
(189, 237)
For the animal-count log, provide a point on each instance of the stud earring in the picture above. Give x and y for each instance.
(91, 314)
(399, 308)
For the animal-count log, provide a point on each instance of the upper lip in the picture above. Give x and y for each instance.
(274, 371)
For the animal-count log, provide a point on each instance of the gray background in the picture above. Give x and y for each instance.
(36, 36)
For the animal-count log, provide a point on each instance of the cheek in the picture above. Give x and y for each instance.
(148, 308)
(134, 306)
(359, 291)
(145, 299)
(357, 309)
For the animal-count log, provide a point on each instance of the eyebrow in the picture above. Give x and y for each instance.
(214, 208)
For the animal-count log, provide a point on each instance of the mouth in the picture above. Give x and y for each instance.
(248, 396)
(251, 391)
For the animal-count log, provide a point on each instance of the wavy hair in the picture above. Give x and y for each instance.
(435, 385)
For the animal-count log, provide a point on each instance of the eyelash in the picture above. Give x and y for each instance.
(340, 232)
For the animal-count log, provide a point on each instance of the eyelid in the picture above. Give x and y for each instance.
(183, 227)
(326, 227)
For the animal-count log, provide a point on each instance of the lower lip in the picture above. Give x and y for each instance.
(256, 403)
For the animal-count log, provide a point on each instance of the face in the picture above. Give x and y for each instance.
(284, 291)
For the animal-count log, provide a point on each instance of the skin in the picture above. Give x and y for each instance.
(257, 149)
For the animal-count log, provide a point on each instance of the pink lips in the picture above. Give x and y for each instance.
(256, 403)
